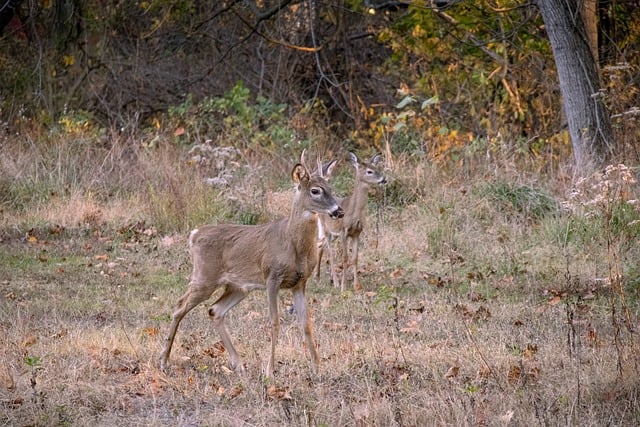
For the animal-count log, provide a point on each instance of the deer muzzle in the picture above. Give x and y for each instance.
(338, 212)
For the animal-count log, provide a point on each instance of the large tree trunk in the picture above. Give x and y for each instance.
(589, 15)
(588, 119)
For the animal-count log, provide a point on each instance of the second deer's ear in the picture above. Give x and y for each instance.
(299, 174)
(327, 169)
(353, 159)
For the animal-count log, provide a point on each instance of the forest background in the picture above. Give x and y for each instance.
(502, 277)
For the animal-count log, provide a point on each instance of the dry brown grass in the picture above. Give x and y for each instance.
(471, 315)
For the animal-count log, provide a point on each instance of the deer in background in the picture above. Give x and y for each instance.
(241, 258)
(348, 228)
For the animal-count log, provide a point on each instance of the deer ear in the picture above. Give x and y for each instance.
(376, 159)
(299, 174)
(327, 169)
(353, 159)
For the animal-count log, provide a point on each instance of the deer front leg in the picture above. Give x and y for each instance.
(300, 303)
(332, 267)
(322, 242)
(345, 260)
(321, 245)
(354, 263)
(272, 301)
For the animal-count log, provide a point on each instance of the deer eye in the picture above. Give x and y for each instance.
(316, 191)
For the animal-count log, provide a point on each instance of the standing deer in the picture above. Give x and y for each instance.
(241, 258)
(350, 226)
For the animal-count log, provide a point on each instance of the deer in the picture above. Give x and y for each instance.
(349, 227)
(239, 259)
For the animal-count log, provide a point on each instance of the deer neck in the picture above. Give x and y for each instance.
(359, 199)
(302, 229)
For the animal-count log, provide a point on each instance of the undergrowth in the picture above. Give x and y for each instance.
(488, 300)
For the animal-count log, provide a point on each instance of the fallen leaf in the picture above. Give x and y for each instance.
(396, 274)
(216, 350)
(514, 375)
(235, 392)
(332, 326)
(420, 308)
(150, 331)
(29, 340)
(433, 280)
(530, 351)
(452, 372)
(482, 313)
(17, 401)
(278, 393)
(484, 371)
(555, 300)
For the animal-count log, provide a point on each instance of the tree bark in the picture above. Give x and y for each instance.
(587, 116)
(589, 14)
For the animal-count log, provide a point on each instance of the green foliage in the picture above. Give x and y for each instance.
(236, 119)
(18, 194)
(32, 361)
(442, 236)
(523, 200)
(400, 192)
(476, 61)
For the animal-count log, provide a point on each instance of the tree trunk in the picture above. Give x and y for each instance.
(589, 14)
(588, 119)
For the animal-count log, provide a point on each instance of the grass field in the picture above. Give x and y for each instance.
(485, 303)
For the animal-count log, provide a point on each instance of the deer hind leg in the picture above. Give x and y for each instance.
(305, 322)
(229, 299)
(195, 295)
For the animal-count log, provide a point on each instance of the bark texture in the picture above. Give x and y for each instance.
(587, 116)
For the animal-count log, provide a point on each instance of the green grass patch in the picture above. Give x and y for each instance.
(523, 200)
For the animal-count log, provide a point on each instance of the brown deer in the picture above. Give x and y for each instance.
(241, 258)
(350, 226)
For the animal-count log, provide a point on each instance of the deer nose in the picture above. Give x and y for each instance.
(383, 181)
(336, 213)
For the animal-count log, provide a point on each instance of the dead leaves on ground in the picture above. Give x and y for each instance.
(482, 313)
(275, 392)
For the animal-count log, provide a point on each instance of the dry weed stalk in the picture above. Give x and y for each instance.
(604, 195)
